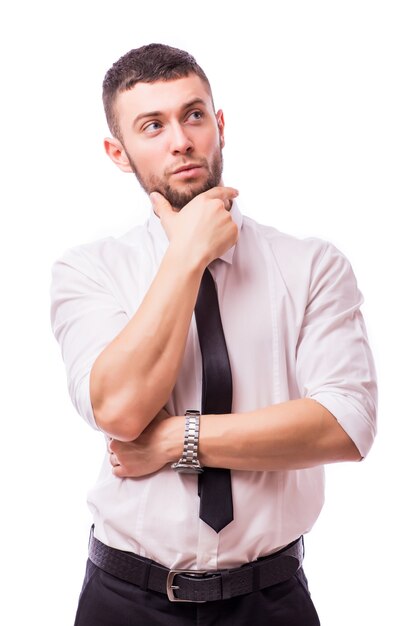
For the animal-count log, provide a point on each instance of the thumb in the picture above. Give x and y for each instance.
(160, 204)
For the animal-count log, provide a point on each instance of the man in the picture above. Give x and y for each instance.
(203, 310)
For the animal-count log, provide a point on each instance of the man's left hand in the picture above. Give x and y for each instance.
(149, 452)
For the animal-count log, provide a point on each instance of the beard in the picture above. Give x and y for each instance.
(178, 199)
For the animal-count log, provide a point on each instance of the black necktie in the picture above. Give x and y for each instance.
(215, 490)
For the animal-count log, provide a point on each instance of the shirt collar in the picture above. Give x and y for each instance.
(156, 230)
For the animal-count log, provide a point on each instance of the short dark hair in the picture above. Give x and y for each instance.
(146, 64)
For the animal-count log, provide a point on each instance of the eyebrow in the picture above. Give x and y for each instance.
(185, 106)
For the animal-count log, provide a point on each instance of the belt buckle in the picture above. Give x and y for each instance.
(171, 587)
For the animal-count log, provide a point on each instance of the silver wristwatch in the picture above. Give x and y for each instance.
(189, 463)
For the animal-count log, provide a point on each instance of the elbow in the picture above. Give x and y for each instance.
(349, 450)
(352, 426)
(122, 411)
(342, 446)
(342, 449)
(119, 423)
(114, 412)
(352, 452)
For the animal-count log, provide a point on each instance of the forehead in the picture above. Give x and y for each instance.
(164, 96)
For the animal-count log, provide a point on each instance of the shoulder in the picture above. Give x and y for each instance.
(310, 261)
(287, 248)
(104, 255)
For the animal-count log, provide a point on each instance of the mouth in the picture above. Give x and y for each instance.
(188, 171)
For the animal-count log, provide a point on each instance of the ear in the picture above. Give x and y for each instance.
(115, 150)
(220, 124)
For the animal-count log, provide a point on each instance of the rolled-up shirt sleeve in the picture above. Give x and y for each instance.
(334, 361)
(85, 317)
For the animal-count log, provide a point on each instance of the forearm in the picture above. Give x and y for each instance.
(133, 377)
(290, 435)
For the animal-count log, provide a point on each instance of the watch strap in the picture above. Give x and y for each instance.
(189, 463)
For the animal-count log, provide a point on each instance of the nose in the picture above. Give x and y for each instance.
(180, 141)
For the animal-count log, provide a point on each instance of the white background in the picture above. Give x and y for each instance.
(320, 105)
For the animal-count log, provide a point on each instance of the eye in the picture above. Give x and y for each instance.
(152, 127)
(195, 116)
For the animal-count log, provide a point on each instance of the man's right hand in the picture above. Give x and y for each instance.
(203, 227)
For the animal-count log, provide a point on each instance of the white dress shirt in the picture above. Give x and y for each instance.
(293, 328)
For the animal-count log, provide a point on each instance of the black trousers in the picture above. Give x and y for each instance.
(109, 601)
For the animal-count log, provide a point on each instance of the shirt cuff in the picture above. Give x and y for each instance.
(82, 401)
(359, 425)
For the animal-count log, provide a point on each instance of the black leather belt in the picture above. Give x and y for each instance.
(197, 585)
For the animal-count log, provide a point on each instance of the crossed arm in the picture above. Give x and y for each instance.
(291, 435)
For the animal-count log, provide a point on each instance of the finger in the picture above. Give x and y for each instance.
(227, 194)
(114, 461)
(160, 204)
(116, 446)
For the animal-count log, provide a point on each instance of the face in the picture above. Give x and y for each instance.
(171, 138)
